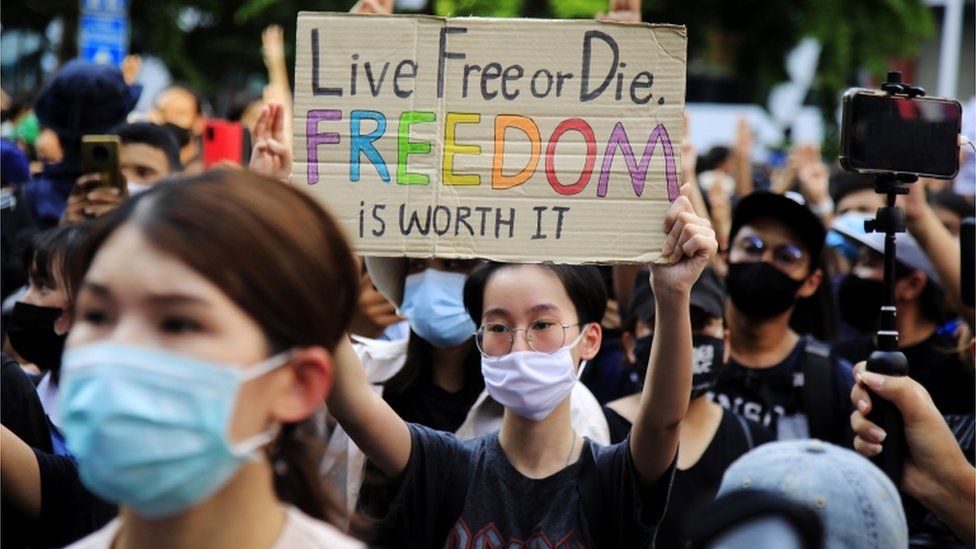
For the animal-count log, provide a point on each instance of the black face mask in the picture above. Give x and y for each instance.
(760, 290)
(642, 355)
(860, 302)
(32, 335)
(181, 134)
(708, 358)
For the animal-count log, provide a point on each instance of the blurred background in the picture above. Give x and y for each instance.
(781, 66)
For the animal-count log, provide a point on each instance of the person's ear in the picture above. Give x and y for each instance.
(63, 323)
(310, 380)
(627, 342)
(199, 124)
(909, 288)
(592, 337)
(810, 284)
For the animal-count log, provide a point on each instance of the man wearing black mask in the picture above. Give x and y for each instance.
(928, 341)
(788, 382)
(180, 110)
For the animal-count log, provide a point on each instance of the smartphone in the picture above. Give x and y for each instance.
(967, 245)
(226, 141)
(100, 154)
(883, 133)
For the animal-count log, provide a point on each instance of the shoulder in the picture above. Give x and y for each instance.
(303, 531)
(100, 539)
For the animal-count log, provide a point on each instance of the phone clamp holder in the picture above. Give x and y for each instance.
(887, 359)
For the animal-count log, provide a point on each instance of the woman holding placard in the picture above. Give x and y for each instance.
(536, 478)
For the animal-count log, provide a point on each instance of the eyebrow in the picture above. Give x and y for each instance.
(101, 290)
(540, 308)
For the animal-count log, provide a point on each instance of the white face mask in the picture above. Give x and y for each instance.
(136, 188)
(531, 383)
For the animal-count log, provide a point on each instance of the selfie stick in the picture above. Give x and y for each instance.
(887, 359)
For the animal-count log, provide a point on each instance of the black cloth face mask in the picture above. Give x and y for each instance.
(181, 134)
(760, 290)
(860, 300)
(708, 358)
(642, 355)
(32, 335)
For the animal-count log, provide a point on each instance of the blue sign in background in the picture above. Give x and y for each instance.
(103, 34)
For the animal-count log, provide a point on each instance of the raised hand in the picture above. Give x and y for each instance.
(271, 155)
(688, 248)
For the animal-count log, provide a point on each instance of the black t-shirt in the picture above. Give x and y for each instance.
(618, 424)
(773, 396)
(467, 494)
(428, 404)
(69, 511)
(21, 410)
(934, 363)
(692, 487)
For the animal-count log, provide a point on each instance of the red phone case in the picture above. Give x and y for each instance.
(223, 140)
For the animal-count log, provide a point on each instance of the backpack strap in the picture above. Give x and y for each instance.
(818, 371)
(750, 444)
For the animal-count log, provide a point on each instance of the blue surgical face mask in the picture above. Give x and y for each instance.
(433, 303)
(150, 428)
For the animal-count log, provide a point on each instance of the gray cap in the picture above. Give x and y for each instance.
(389, 274)
(907, 250)
(858, 504)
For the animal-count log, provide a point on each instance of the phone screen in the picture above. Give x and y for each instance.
(886, 133)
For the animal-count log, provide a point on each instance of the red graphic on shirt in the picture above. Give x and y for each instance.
(489, 537)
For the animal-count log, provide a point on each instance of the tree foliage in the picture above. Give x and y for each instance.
(215, 44)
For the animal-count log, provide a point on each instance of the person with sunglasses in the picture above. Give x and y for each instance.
(536, 482)
(787, 381)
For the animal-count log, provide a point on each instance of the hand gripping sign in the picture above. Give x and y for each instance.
(514, 140)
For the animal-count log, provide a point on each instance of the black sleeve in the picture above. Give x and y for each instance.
(420, 507)
(20, 407)
(843, 379)
(69, 511)
(632, 512)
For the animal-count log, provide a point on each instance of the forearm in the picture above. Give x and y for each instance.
(19, 474)
(667, 386)
(743, 173)
(368, 420)
(943, 251)
(954, 501)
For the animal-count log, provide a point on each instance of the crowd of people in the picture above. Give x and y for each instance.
(199, 359)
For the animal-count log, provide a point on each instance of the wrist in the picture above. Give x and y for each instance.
(822, 206)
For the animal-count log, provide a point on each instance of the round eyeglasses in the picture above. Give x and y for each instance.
(545, 335)
(754, 248)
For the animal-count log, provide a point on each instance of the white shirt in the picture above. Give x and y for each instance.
(300, 531)
(344, 463)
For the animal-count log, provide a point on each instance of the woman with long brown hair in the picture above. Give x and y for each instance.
(203, 337)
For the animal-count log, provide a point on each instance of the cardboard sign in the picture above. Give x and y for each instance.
(514, 140)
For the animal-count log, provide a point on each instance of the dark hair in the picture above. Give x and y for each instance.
(278, 255)
(843, 183)
(582, 283)
(55, 255)
(817, 315)
(931, 300)
(147, 133)
(956, 204)
(714, 158)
